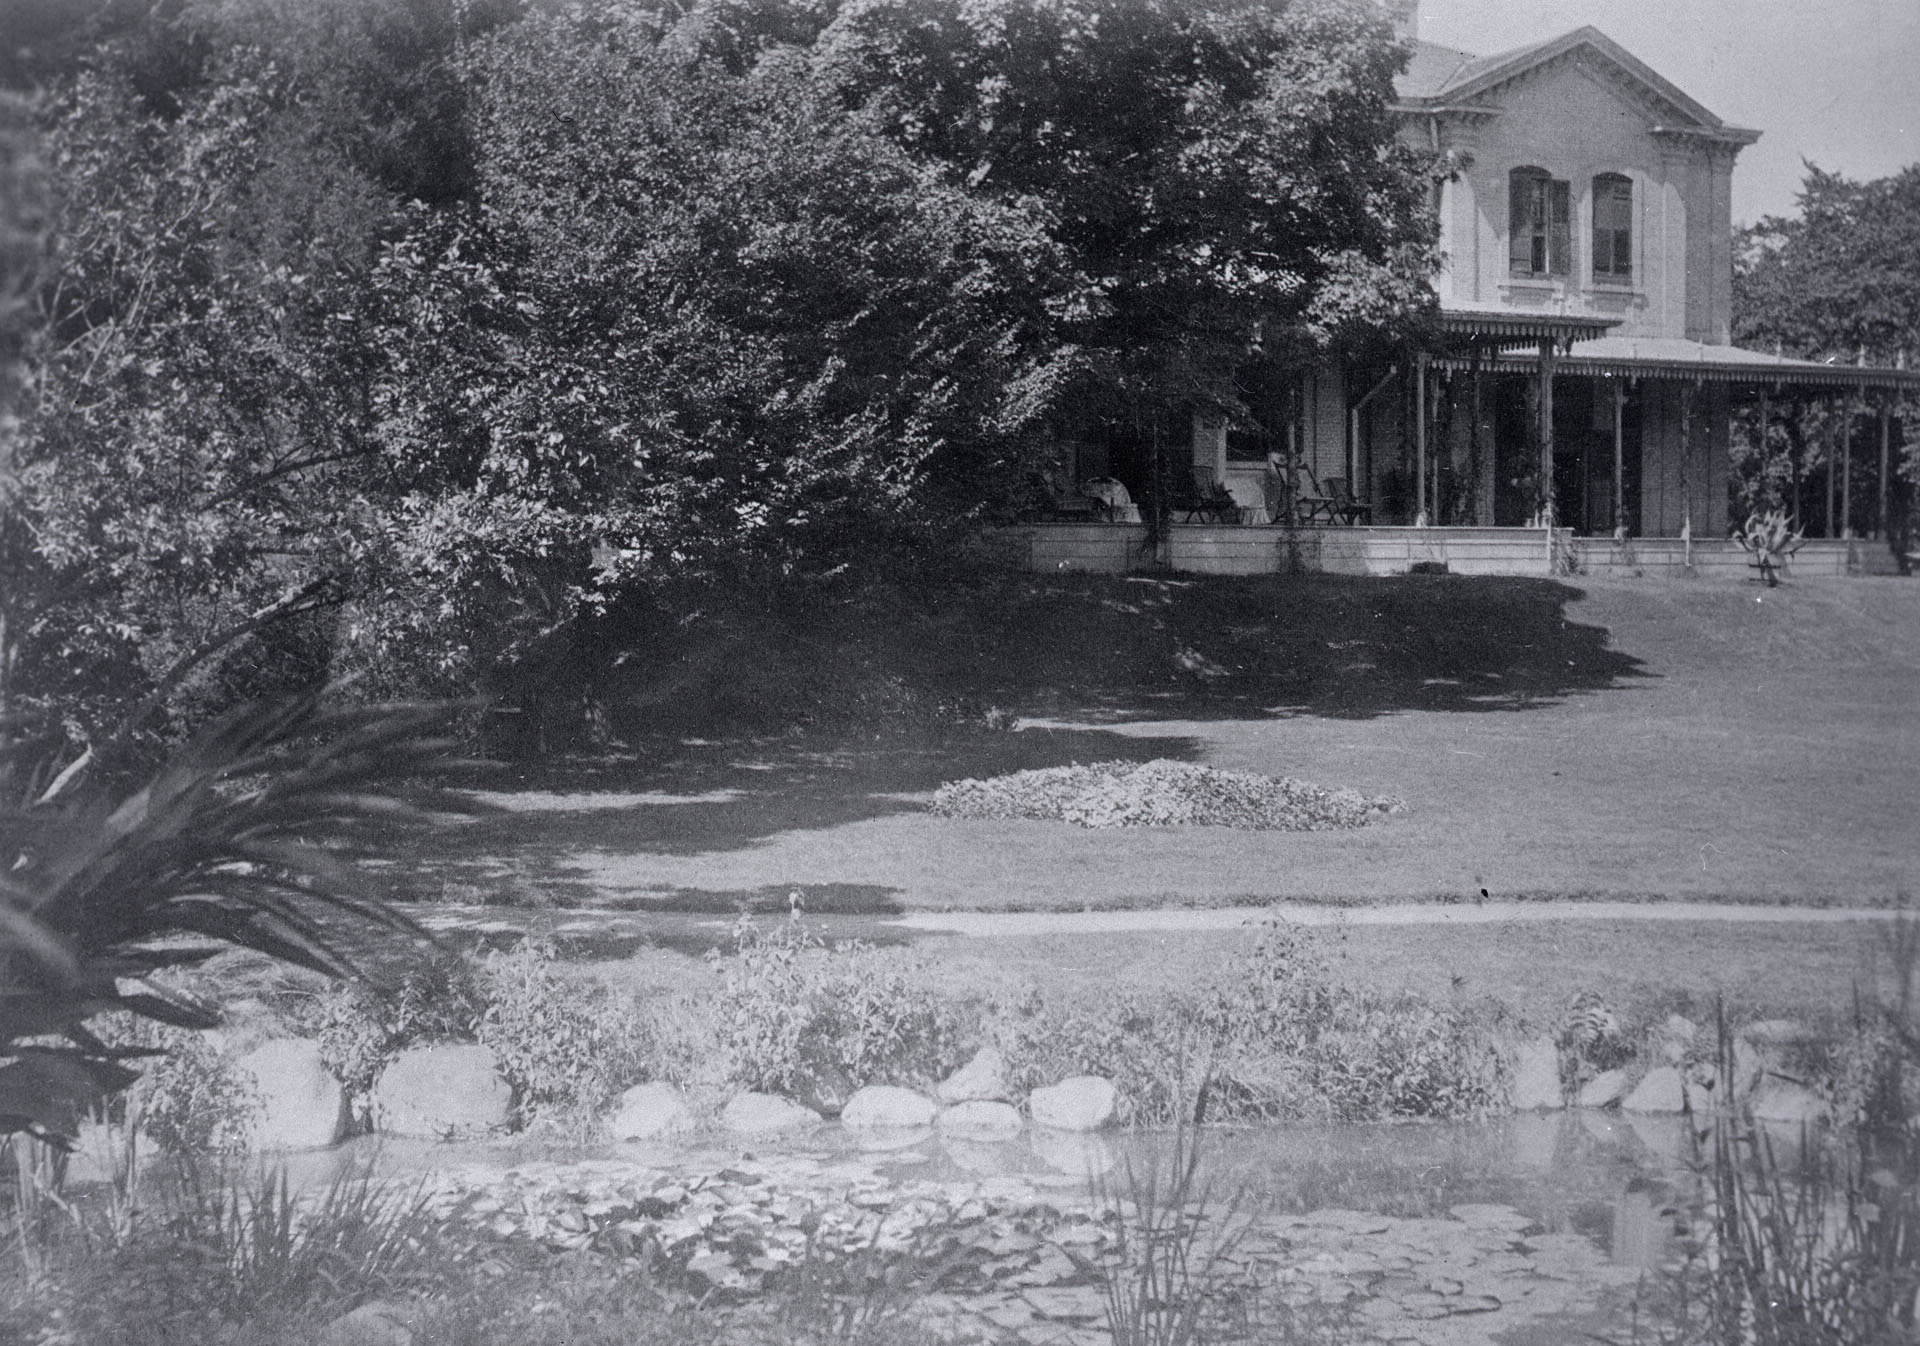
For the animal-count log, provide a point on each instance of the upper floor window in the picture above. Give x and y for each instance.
(1539, 231)
(1613, 228)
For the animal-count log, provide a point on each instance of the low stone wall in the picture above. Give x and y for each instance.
(1098, 548)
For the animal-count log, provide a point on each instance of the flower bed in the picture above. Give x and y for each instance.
(1161, 793)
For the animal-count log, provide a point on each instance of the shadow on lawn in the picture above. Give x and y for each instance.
(1325, 645)
(568, 832)
(550, 830)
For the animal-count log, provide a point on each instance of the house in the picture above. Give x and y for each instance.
(1576, 409)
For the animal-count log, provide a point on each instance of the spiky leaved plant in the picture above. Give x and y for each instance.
(1770, 540)
(230, 844)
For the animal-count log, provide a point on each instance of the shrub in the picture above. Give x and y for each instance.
(360, 1028)
(792, 1010)
(567, 1045)
(189, 1100)
(1274, 1037)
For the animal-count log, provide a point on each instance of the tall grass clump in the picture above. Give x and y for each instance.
(1169, 1278)
(214, 1253)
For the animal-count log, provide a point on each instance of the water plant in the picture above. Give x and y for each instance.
(1170, 1277)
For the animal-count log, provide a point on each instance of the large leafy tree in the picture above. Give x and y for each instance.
(196, 413)
(1224, 178)
(700, 326)
(1836, 282)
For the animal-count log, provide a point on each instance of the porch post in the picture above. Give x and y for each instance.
(1827, 522)
(1846, 471)
(1547, 361)
(1886, 439)
(1760, 447)
(1686, 474)
(1420, 436)
(1620, 456)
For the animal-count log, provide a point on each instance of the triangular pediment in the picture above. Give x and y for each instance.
(1475, 84)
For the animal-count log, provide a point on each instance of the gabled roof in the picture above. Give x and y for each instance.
(1442, 79)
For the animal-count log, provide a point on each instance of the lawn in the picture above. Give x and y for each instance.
(1647, 739)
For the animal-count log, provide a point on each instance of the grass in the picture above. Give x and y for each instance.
(1594, 738)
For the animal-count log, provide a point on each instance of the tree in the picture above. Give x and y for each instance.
(1837, 282)
(1224, 179)
(700, 326)
(186, 457)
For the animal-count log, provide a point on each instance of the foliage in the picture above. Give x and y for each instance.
(187, 460)
(1769, 539)
(1275, 1036)
(221, 1256)
(1172, 1277)
(236, 841)
(1159, 793)
(1220, 178)
(568, 1045)
(361, 1027)
(728, 333)
(790, 1011)
(1836, 283)
(188, 1101)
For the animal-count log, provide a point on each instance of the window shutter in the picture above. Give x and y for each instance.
(1561, 243)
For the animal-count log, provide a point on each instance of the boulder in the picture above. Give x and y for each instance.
(884, 1106)
(649, 1112)
(1674, 1038)
(1604, 1089)
(297, 1103)
(445, 1091)
(763, 1114)
(1787, 1102)
(1661, 1090)
(379, 1323)
(1083, 1103)
(1536, 1076)
(984, 1077)
(980, 1119)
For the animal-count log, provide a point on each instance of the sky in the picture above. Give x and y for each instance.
(1836, 82)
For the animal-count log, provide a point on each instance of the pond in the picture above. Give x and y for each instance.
(1523, 1229)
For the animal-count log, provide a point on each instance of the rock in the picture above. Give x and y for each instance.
(762, 1114)
(982, 1078)
(1661, 1090)
(444, 1091)
(1083, 1103)
(298, 1104)
(885, 1106)
(648, 1112)
(1789, 1103)
(1604, 1089)
(983, 1118)
(379, 1323)
(1776, 1032)
(1536, 1076)
(1675, 1037)
(824, 1089)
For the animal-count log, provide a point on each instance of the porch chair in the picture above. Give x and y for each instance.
(1346, 508)
(1312, 505)
(1204, 498)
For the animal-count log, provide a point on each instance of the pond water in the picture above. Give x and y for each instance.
(1518, 1230)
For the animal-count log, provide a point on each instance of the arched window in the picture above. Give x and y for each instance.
(1538, 230)
(1613, 228)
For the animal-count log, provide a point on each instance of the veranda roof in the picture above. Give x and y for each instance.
(1674, 358)
(1503, 328)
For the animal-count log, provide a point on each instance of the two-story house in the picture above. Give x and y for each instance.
(1584, 389)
